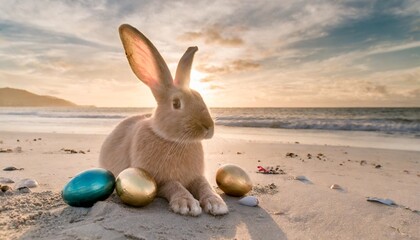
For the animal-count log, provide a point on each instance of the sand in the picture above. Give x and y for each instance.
(289, 209)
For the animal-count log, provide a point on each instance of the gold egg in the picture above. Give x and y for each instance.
(136, 187)
(233, 180)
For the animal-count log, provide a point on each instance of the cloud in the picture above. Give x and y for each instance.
(376, 89)
(213, 35)
(215, 87)
(230, 67)
(208, 78)
(295, 51)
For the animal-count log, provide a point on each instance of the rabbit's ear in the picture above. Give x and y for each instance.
(183, 71)
(145, 60)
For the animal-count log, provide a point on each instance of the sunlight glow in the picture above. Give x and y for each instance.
(195, 83)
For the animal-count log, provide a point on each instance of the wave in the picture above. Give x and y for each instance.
(66, 115)
(374, 125)
(390, 121)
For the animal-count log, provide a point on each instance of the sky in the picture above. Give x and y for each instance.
(287, 53)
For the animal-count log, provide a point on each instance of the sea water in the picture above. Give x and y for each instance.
(396, 127)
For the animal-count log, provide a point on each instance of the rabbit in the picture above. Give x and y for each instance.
(166, 144)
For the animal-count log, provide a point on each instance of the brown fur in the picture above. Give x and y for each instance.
(167, 144)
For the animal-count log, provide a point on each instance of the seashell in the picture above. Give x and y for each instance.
(336, 186)
(386, 201)
(6, 180)
(233, 180)
(136, 187)
(27, 182)
(88, 187)
(249, 201)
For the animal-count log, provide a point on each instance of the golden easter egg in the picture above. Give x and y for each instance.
(233, 180)
(136, 187)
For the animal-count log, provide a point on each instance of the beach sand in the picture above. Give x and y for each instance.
(289, 209)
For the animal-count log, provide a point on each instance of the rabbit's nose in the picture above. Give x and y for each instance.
(209, 132)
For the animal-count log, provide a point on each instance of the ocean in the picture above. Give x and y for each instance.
(387, 123)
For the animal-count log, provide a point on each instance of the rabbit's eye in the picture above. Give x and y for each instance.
(176, 103)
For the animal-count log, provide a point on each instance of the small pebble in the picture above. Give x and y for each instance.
(378, 166)
(5, 188)
(6, 180)
(27, 182)
(249, 201)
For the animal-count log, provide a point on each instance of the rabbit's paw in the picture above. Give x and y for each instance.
(214, 205)
(186, 206)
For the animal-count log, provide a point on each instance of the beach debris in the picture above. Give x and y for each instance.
(17, 140)
(291, 155)
(239, 153)
(297, 142)
(385, 201)
(336, 187)
(18, 149)
(72, 151)
(378, 166)
(363, 162)
(309, 156)
(5, 150)
(34, 139)
(27, 182)
(11, 168)
(5, 188)
(250, 201)
(270, 170)
(267, 189)
(6, 180)
(321, 156)
(39, 139)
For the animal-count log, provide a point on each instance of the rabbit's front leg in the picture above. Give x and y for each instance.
(209, 199)
(180, 200)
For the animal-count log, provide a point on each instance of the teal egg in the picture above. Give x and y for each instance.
(88, 187)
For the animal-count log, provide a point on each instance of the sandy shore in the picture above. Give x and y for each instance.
(289, 209)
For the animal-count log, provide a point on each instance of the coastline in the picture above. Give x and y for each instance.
(290, 210)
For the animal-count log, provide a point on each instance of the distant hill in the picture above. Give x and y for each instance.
(11, 97)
